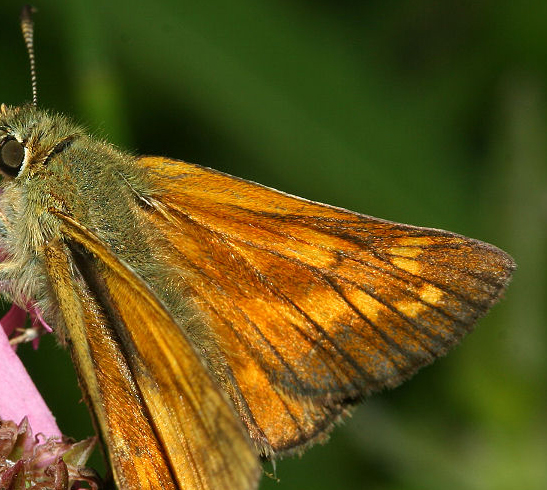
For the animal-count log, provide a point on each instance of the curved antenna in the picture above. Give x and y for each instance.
(27, 26)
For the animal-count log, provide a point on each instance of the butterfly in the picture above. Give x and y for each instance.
(213, 320)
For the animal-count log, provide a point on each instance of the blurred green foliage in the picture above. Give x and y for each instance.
(428, 112)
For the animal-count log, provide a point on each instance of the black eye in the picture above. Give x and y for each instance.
(12, 154)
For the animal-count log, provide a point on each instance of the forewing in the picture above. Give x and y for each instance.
(164, 419)
(108, 384)
(316, 306)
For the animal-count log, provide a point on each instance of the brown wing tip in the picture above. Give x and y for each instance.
(501, 267)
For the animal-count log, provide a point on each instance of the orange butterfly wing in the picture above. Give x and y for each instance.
(314, 306)
(165, 421)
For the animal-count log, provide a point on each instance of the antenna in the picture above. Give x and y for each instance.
(27, 26)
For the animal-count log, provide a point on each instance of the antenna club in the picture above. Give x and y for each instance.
(27, 27)
(26, 13)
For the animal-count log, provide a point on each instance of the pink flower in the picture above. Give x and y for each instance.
(18, 396)
(33, 463)
(47, 460)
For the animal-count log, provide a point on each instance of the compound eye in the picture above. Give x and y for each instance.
(12, 154)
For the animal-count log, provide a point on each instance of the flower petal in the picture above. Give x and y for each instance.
(13, 319)
(18, 395)
(38, 319)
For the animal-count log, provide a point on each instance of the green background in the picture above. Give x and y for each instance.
(427, 112)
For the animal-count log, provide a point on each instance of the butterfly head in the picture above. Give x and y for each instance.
(30, 139)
